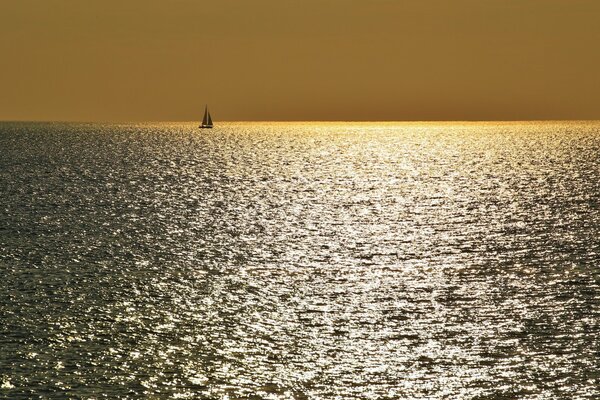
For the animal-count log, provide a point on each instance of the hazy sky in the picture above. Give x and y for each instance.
(299, 59)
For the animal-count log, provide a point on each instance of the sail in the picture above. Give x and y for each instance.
(209, 120)
(206, 119)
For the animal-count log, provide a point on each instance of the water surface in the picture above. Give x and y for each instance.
(297, 261)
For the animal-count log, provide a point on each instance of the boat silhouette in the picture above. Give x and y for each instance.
(207, 120)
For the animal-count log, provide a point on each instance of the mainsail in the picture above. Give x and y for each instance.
(205, 119)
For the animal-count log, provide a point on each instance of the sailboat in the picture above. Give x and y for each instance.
(207, 120)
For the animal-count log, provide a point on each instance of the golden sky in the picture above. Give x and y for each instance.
(159, 60)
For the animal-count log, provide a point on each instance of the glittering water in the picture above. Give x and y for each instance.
(399, 261)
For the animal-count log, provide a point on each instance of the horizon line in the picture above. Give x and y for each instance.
(295, 121)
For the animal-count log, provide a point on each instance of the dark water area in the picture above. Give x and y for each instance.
(300, 261)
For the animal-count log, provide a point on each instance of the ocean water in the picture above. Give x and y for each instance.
(300, 261)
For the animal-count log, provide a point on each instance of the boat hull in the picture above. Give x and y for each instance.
(205, 127)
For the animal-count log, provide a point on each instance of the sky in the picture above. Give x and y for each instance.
(163, 60)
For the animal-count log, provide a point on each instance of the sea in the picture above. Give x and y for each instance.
(300, 260)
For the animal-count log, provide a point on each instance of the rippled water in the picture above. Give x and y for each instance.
(398, 261)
